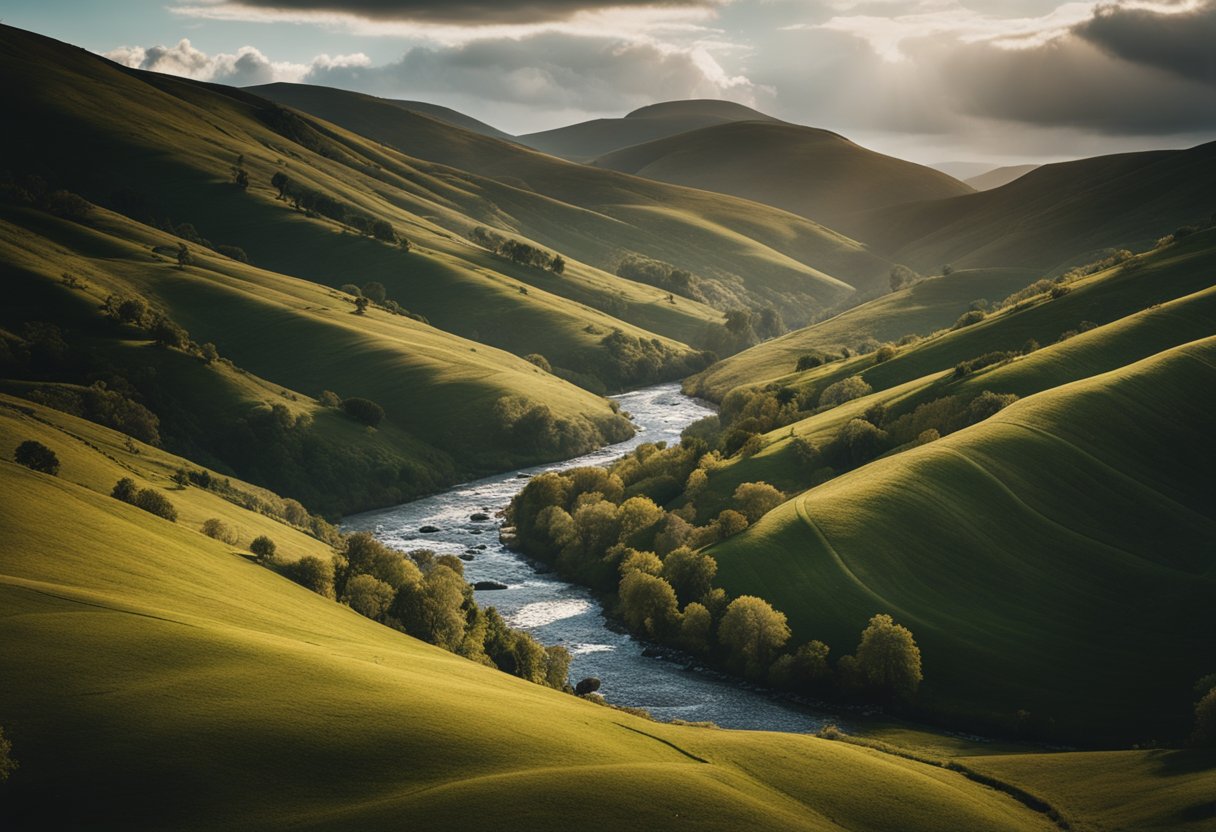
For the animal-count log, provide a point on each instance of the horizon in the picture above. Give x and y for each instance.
(935, 82)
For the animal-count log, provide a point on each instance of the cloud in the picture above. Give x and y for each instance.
(1183, 43)
(246, 67)
(550, 70)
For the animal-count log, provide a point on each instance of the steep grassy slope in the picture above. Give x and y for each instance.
(813, 173)
(1053, 215)
(444, 114)
(176, 684)
(1154, 277)
(997, 177)
(1037, 556)
(587, 140)
(163, 149)
(598, 216)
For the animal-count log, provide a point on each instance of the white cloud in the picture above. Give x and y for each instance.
(247, 66)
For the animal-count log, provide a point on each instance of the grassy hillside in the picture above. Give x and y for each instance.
(813, 173)
(588, 140)
(1154, 277)
(1036, 556)
(1054, 215)
(599, 216)
(997, 177)
(179, 685)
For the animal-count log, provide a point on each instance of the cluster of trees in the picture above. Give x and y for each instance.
(149, 499)
(596, 526)
(426, 596)
(630, 360)
(34, 191)
(517, 251)
(658, 273)
(530, 425)
(98, 403)
(318, 203)
(742, 328)
(374, 292)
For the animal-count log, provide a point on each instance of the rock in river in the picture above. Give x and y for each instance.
(484, 585)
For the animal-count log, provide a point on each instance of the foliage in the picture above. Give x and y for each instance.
(752, 631)
(847, 389)
(217, 529)
(756, 499)
(37, 457)
(363, 410)
(264, 548)
(7, 763)
(888, 659)
(690, 573)
(648, 604)
(153, 502)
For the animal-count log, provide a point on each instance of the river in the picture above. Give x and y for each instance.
(560, 613)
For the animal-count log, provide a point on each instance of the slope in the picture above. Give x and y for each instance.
(1036, 555)
(1053, 216)
(997, 177)
(587, 140)
(599, 216)
(176, 684)
(810, 172)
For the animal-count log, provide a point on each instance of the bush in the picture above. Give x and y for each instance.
(328, 398)
(263, 547)
(809, 361)
(968, 318)
(756, 499)
(37, 457)
(217, 529)
(153, 502)
(375, 292)
(125, 490)
(884, 353)
(540, 361)
(233, 252)
(363, 410)
(313, 573)
(847, 389)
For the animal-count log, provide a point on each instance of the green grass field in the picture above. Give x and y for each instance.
(1037, 556)
(177, 684)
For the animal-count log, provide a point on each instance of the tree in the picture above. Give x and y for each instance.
(648, 604)
(690, 573)
(756, 499)
(167, 333)
(313, 573)
(361, 305)
(217, 529)
(363, 410)
(368, 596)
(753, 632)
(153, 502)
(263, 547)
(695, 626)
(635, 561)
(1205, 719)
(558, 264)
(375, 292)
(557, 666)
(209, 353)
(860, 441)
(730, 523)
(37, 457)
(847, 389)
(383, 230)
(901, 276)
(540, 361)
(240, 177)
(637, 516)
(183, 256)
(888, 658)
(281, 182)
(432, 608)
(124, 490)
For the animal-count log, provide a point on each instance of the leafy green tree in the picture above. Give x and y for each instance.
(729, 523)
(153, 502)
(756, 499)
(557, 666)
(752, 631)
(690, 573)
(263, 547)
(365, 555)
(368, 596)
(125, 490)
(217, 529)
(432, 609)
(635, 561)
(648, 604)
(37, 457)
(696, 625)
(183, 256)
(888, 658)
(847, 389)
(363, 410)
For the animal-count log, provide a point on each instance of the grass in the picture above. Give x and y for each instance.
(1013, 550)
(177, 684)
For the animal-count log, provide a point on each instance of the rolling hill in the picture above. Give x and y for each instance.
(997, 177)
(179, 685)
(590, 139)
(1052, 217)
(1036, 556)
(810, 172)
(599, 216)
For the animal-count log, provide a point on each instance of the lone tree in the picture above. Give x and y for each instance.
(263, 547)
(282, 183)
(361, 305)
(888, 658)
(183, 256)
(375, 291)
(753, 632)
(37, 457)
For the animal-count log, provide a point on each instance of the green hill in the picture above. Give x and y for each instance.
(176, 684)
(1053, 216)
(813, 173)
(600, 216)
(588, 140)
(1038, 556)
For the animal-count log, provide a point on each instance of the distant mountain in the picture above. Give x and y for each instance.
(962, 170)
(589, 139)
(1053, 216)
(997, 177)
(810, 172)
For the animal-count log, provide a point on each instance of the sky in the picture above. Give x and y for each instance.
(985, 81)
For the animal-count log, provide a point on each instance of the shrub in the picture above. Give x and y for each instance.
(752, 631)
(124, 490)
(263, 547)
(540, 361)
(153, 502)
(363, 410)
(37, 457)
(884, 353)
(167, 333)
(969, 318)
(375, 292)
(847, 389)
(329, 398)
(217, 529)
(1059, 291)
(861, 442)
(233, 252)
(361, 304)
(809, 361)
(313, 573)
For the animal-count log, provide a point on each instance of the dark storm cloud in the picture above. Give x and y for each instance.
(1183, 43)
(464, 12)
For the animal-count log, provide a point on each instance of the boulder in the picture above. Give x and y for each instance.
(485, 585)
(429, 529)
(586, 686)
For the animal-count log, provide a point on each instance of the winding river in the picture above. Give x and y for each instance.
(560, 613)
